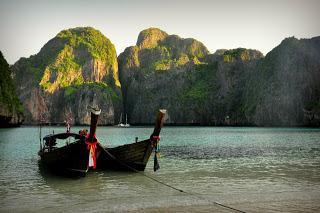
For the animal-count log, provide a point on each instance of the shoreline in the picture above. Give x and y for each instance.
(152, 125)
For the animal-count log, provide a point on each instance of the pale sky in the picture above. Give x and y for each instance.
(26, 25)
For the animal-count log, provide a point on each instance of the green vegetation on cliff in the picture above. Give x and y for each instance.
(148, 72)
(202, 83)
(103, 88)
(240, 86)
(165, 51)
(231, 87)
(240, 54)
(78, 60)
(65, 59)
(149, 38)
(89, 38)
(11, 110)
(8, 97)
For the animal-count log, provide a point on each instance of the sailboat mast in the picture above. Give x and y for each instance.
(40, 136)
(120, 120)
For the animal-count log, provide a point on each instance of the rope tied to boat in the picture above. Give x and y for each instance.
(199, 196)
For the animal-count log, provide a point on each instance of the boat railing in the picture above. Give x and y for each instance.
(51, 141)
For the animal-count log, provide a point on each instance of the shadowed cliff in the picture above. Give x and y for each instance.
(11, 111)
(230, 87)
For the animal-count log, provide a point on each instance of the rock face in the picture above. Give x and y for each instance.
(156, 72)
(79, 67)
(288, 85)
(229, 87)
(232, 73)
(75, 69)
(10, 107)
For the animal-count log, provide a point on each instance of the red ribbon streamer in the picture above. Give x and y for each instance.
(154, 137)
(154, 140)
(92, 146)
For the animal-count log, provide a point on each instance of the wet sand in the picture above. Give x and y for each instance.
(296, 206)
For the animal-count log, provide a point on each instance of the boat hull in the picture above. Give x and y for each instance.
(128, 157)
(73, 158)
(70, 159)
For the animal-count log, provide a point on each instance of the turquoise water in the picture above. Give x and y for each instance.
(251, 169)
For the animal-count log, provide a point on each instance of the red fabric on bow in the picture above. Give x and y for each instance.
(154, 137)
(91, 146)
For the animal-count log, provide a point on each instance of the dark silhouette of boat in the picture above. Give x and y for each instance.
(85, 152)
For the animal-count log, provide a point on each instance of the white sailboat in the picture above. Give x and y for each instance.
(126, 124)
(120, 124)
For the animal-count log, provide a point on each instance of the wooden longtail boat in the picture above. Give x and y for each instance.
(85, 152)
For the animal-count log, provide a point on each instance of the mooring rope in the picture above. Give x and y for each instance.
(172, 187)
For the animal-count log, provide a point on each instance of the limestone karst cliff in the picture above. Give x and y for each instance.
(75, 69)
(79, 67)
(229, 87)
(287, 87)
(11, 112)
(156, 72)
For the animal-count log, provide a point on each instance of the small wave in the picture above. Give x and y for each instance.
(212, 152)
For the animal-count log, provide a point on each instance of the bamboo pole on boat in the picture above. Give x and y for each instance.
(159, 122)
(94, 122)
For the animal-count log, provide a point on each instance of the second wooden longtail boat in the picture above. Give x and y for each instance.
(133, 156)
(85, 153)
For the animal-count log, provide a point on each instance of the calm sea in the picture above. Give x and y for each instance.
(251, 169)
